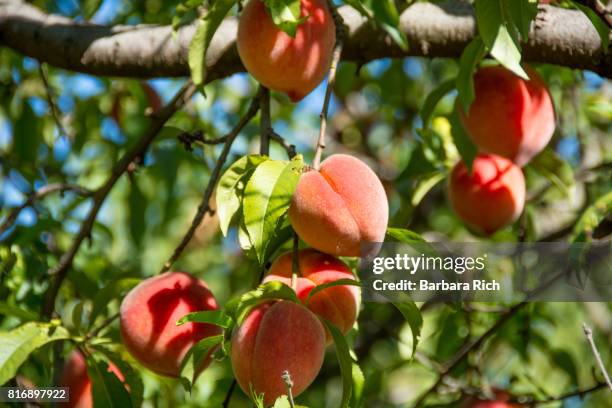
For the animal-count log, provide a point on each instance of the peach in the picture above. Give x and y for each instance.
(490, 198)
(341, 208)
(292, 65)
(148, 319)
(510, 117)
(75, 377)
(276, 337)
(337, 304)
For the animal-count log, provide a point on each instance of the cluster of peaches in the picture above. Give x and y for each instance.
(335, 210)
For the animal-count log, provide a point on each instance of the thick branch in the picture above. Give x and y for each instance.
(563, 37)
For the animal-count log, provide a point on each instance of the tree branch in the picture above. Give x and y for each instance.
(565, 37)
(204, 206)
(39, 195)
(331, 81)
(59, 272)
(600, 9)
(588, 332)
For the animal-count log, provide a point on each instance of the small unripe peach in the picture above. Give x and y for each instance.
(75, 377)
(489, 198)
(341, 208)
(148, 319)
(276, 337)
(337, 304)
(294, 66)
(510, 117)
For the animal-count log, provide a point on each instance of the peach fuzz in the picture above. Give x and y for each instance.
(510, 117)
(274, 337)
(489, 198)
(148, 319)
(294, 66)
(75, 377)
(337, 304)
(340, 207)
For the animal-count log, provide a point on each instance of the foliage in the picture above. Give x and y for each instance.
(398, 115)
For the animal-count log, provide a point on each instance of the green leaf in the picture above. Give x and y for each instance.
(114, 290)
(286, 14)
(130, 374)
(192, 363)
(602, 28)
(471, 56)
(345, 361)
(434, 98)
(274, 290)
(425, 185)
(230, 189)
(565, 362)
(522, 12)
(339, 282)
(16, 311)
(202, 38)
(267, 197)
(77, 315)
(555, 169)
(137, 212)
(405, 236)
(413, 316)
(387, 15)
(19, 343)
(358, 384)
(490, 17)
(216, 317)
(507, 52)
(592, 217)
(467, 149)
(106, 388)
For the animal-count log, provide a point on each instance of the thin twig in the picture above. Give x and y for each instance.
(39, 195)
(204, 206)
(60, 271)
(588, 332)
(289, 148)
(50, 99)
(188, 139)
(286, 376)
(467, 348)
(109, 320)
(228, 395)
(340, 34)
(266, 122)
(531, 401)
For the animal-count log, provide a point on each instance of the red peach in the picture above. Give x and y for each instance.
(340, 207)
(294, 66)
(510, 117)
(148, 319)
(337, 304)
(490, 198)
(75, 377)
(276, 337)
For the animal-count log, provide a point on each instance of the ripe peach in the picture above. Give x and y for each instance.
(338, 304)
(148, 319)
(294, 66)
(340, 207)
(274, 337)
(510, 117)
(75, 377)
(490, 198)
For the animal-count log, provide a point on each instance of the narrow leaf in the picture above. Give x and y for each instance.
(216, 317)
(345, 361)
